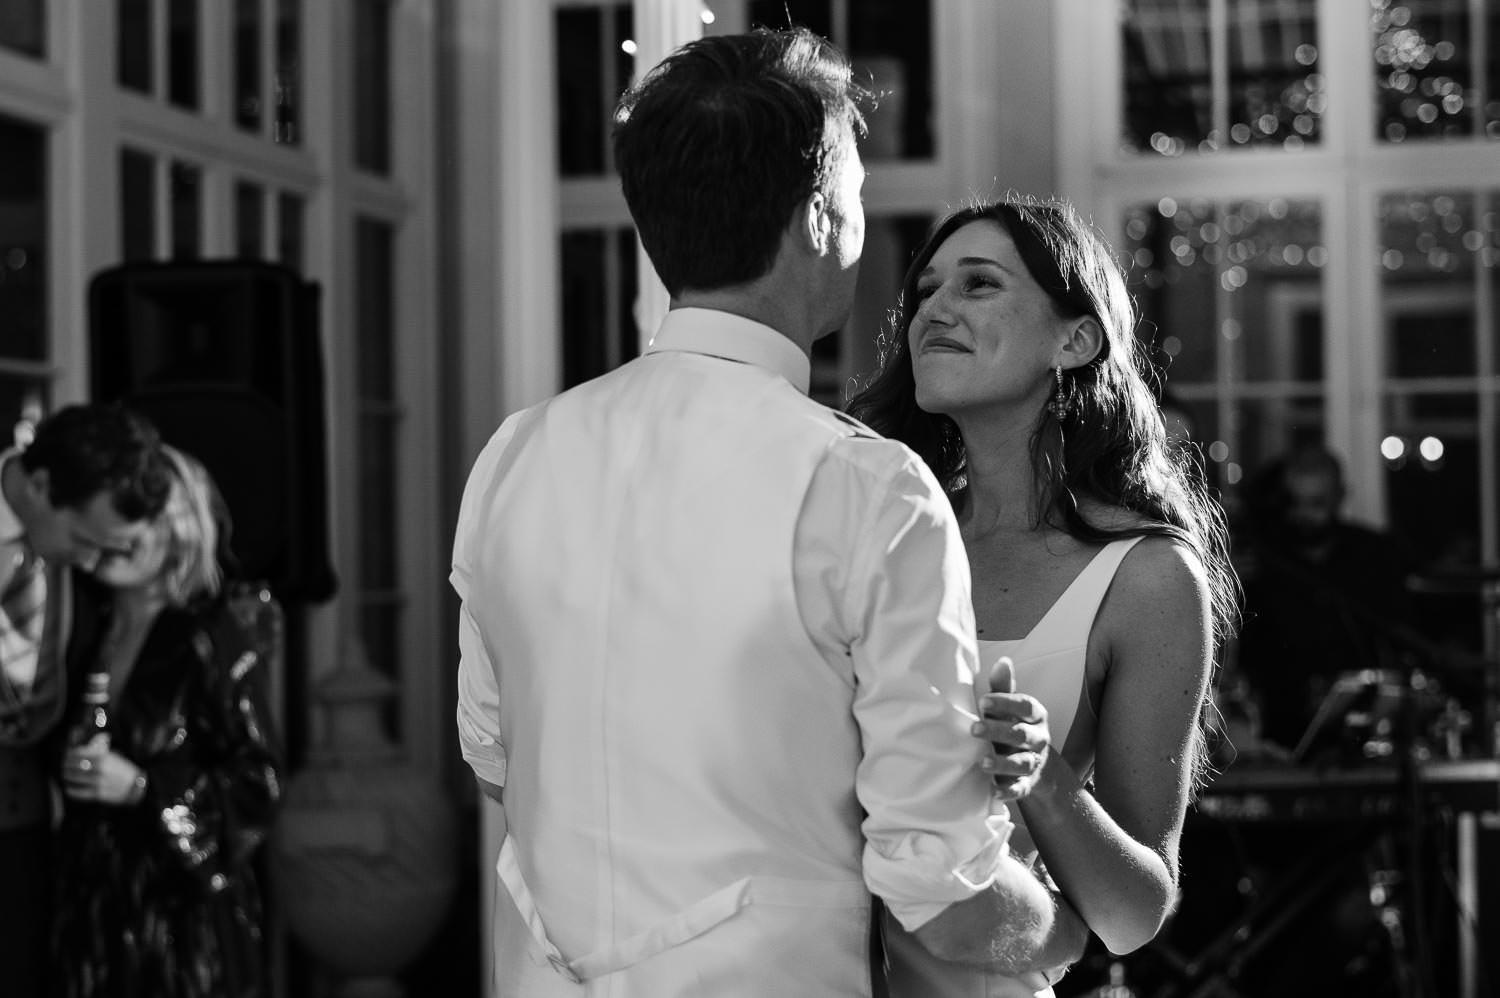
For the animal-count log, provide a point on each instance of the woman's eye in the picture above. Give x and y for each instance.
(925, 291)
(981, 282)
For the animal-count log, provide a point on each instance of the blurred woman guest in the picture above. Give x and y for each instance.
(1099, 564)
(170, 778)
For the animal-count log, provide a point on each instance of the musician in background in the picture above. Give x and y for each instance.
(1324, 597)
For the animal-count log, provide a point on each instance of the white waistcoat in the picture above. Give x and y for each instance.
(680, 789)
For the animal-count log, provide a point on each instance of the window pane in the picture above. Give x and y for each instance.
(1229, 290)
(249, 220)
(1425, 78)
(23, 27)
(133, 44)
(247, 98)
(288, 80)
(375, 277)
(593, 69)
(1168, 87)
(815, 15)
(182, 53)
(890, 43)
(187, 210)
(1435, 496)
(890, 243)
(598, 296)
(23, 241)
(1276, 91)
(137, 205)
(374, 266)
(289, 209)
(1434, 247)
(372, 75)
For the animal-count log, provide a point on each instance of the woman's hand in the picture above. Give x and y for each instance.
(95, 772)
(1015, 725)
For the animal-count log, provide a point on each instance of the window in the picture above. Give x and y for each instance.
(1207, 77)
(1431, 79)
(255, 64)
(1229, 295)
(23, 27)
(25, 349)
(889, 43)
(1439, 251)
(379, 416)
(249, 220)
(176, 79)
(372, 81)
(1301, 273)
(597, 313)
(593, 69)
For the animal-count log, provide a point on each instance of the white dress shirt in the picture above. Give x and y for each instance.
(818, 715)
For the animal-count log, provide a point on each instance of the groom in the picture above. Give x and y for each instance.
(718, 653)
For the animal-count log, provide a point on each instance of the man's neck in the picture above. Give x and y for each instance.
(757, 303)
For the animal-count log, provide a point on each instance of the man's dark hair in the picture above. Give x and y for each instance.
(722, 140)
(93, 448)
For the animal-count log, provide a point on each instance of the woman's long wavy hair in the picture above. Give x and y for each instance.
(1110, 444)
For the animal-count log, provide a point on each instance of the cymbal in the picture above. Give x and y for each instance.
(1454, 581)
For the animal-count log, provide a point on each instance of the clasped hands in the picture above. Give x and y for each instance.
(95, 772)
(1015, 725)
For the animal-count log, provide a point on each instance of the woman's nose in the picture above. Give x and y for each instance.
(934, 308)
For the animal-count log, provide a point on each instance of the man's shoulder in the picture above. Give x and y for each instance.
(857, 449)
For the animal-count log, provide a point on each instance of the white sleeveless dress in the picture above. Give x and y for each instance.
(1049, 665)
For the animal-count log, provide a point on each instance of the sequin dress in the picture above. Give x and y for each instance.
(160, 898)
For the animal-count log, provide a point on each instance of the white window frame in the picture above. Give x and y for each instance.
(73, 94)
(1346, 173)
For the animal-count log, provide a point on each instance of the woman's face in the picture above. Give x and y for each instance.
(985, 332)
(143, 563)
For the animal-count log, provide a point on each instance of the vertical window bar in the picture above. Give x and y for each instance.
(1218, 67)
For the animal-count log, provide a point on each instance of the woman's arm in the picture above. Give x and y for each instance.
(1114, 854)
(216, 796)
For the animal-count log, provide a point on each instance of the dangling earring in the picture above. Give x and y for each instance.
(1059, 403)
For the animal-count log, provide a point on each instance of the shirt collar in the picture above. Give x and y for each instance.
(733, 337)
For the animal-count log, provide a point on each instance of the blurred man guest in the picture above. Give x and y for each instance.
(1324, 597)
(85, 487)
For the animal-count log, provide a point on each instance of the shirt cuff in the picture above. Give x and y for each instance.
(485, 756)
(922, 877)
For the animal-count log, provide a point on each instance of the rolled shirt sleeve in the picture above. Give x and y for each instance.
(878, 540)
(478, 681)
(478, 704)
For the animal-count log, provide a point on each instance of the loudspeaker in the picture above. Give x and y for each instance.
(224, 357)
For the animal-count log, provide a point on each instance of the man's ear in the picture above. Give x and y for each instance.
(39, 486)
(1084, 342)
(813, 224)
